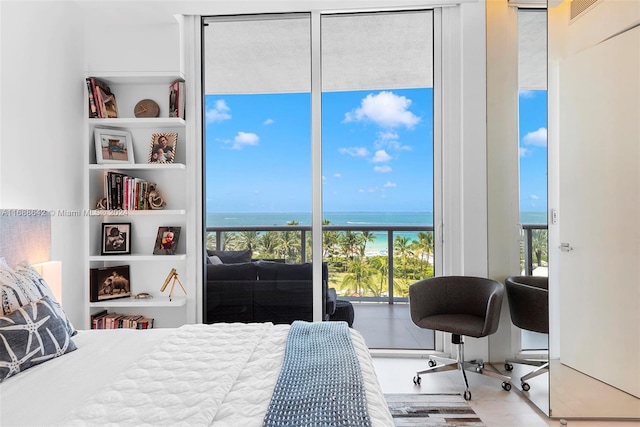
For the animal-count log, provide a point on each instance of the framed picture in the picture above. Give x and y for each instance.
(163, 147)
(109, 283)
(166, 241)
(116, 238)
(113, 146)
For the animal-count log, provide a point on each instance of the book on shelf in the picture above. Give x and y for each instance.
(93, 111)
(105, 320)
(102, 102)
(176, 99)
(124, 192)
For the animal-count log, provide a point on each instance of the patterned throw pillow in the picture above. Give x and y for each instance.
(23, 284)
(31, 335)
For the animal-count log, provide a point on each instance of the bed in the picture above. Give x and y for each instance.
(229, 374)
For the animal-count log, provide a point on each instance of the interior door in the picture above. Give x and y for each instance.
(599, 221)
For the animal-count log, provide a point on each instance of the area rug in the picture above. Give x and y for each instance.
(428, 410)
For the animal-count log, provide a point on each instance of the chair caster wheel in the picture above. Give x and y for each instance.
(417, 379)
(508, 366)
(467, 395)
(506, 386)
(526, 386)
(431, 363)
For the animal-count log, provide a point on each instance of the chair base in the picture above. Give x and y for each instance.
(441, 364)
(542, 367)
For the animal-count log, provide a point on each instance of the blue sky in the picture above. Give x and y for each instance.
(377, 150)
(533, 151)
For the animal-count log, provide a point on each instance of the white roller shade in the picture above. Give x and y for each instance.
(377, 51)
(532, 49)
(359, 52)
(258, 55)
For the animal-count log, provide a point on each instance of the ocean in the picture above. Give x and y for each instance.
(342, 218)
(377, 247)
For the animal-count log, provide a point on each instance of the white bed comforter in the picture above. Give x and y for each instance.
(197, 375)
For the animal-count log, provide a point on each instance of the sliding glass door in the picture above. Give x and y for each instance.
(365, 132)
(258, 134)
(377, 152)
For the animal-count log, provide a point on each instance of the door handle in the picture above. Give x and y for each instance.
(565, 247)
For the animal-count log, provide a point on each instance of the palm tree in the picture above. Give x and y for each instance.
(367, 236)
(349, 243)
(289, 245)
(329, 240)
(268, 244)
(380, 265)
(358, 276)
(402, 247)
(539, 245)
(211, 241)
(424, 247)
(248, 239)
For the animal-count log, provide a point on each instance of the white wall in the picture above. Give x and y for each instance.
(502, 162)
(41, 124)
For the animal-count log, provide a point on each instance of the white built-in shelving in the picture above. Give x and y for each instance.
(148, 271)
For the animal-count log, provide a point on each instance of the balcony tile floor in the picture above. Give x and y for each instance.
(389, 326)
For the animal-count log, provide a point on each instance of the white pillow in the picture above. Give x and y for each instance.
(215, 260)
(22, 285)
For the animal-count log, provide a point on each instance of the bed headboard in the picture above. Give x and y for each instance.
(25, 234)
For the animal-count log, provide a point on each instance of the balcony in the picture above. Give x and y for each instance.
(376, 283)
(345, 248)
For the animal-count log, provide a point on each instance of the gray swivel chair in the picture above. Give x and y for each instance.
(460, 305)
(528, 298)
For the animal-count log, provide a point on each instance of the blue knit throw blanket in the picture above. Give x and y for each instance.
(320, 383)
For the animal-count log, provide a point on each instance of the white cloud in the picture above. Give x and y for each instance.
(534, 197)
(524, 151)
(526, 94)
(390, 140)
(354, 151)
(385, 109)
(382, 169)
(219, 113)
(537, 137)
(390, 184)
(337, 175)
(268, 122)
(243, 139)
(381, 156)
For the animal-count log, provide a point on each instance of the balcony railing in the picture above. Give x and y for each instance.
(293, 244)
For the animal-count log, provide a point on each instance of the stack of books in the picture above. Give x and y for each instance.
(102, 102)
(176, 99)
(105, 320)
(126, 192)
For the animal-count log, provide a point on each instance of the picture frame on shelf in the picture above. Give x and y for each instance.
(167, 241)
(116, 238)
(113, 146)
(107, 283)
(163, 147)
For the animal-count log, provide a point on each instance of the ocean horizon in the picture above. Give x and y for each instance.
(234, 219)
(379, 244)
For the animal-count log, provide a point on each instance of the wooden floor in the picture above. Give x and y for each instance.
(389, 327)
(496, 407)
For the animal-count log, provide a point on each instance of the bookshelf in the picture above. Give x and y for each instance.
(147, 270)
